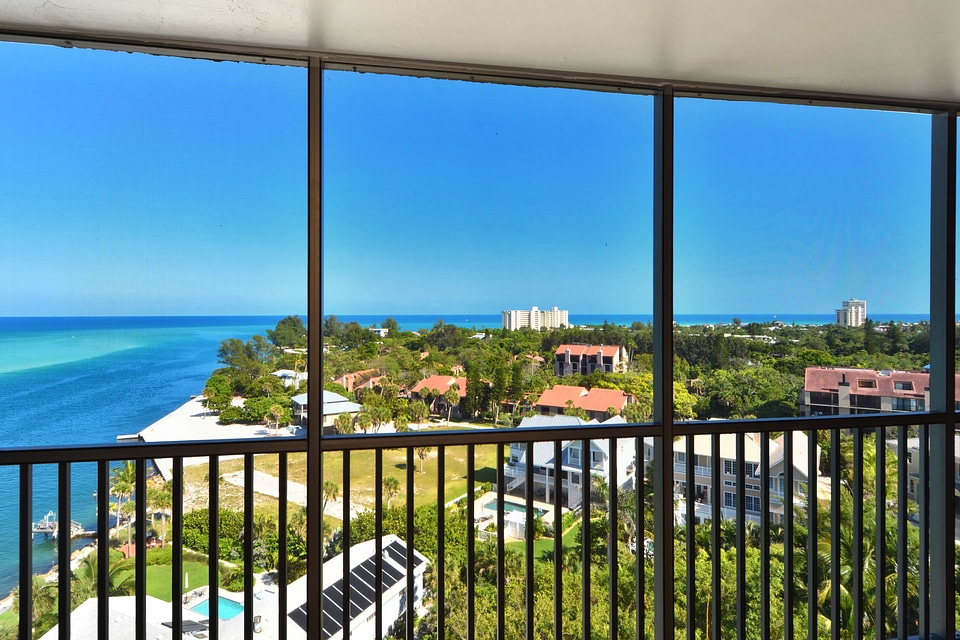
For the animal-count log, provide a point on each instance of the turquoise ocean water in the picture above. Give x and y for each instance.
(67, 381)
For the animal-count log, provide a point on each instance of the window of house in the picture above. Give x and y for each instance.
(866, 384)
(903, 386)
(729, 467)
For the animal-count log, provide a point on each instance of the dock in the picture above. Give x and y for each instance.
(50, 526)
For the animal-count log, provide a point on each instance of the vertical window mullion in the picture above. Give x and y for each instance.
(663, 187)
(943, 273)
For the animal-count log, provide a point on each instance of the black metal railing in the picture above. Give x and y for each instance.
(817, 563)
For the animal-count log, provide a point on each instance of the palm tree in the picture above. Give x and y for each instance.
(274, 416)
(422, 453)
(364, 421)
(161, 499)
(343, 424)
(128, 510)
(123, 479)
(401, 423)
(391, 487)
(331, 491)
(121, 579)
(418, 411)
(451, 397)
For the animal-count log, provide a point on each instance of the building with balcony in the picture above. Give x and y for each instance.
(584, 358)
(535, 319)
(704, 494)
(830, 391)
(853, 313)
(571, 462)
(596, 402)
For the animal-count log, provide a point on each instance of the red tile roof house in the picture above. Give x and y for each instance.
(441, 384)
(359, 379)
(594, 401)
(844, 391)
(586, 358)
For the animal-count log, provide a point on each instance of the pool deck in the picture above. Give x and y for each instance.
(485, 515)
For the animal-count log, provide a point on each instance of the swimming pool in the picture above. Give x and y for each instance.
(227, 608)
(511, 506)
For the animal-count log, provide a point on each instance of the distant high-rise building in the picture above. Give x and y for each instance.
(853, 313)
(535, 318)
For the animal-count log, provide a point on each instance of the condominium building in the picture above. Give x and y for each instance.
(571, 462)
(830, 391)
(535, 318)
(702, 459)
(596, 402)
(587, 358)
(853, 313)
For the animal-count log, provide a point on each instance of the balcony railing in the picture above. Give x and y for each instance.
(772, 573)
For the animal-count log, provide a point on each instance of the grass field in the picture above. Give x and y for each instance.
(543, 548)
(159, 579)
(362, 466)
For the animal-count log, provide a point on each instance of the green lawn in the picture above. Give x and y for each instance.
(362, 465)
(159, 578)
(424, 484)
(543, 548)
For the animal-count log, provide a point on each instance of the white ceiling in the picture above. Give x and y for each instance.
(882, 47)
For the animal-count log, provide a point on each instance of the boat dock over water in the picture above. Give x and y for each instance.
(50, 526)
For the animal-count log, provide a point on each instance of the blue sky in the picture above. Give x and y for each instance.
(143, 185)
(135, 184)
(453, 196)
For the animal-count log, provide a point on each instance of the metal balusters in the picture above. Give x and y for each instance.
(248, 535)
(857, 560)
(528, 541)
(813, 599)
(378, 533)
(788, 629)
(501, 568)
(902, 470)
(716, 517)
(557, 539)
(880, 536)
(347, 541)
(440, 566)
(640, 542)
(471, 545)
(176, 534)
(63, 553)
(741, 539)
(410, 551)
(103, 552)
(26, 552)
(613, 542)
(283, 517)
(835, 466)
(140, 541)
(213, 543)
(764, 535)
(585, 481)
(923, 498)
(691, 565)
